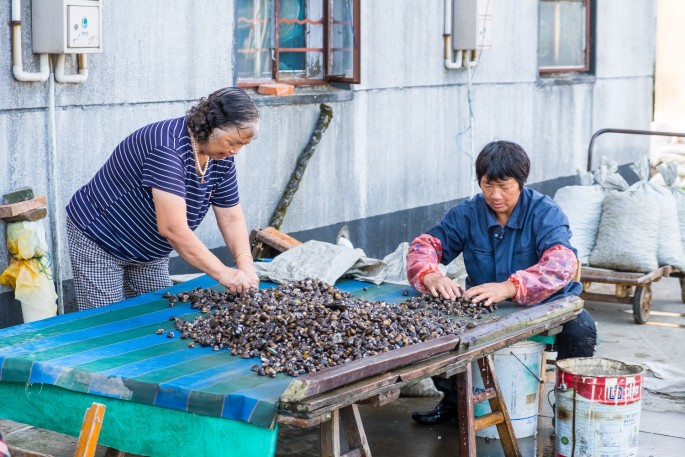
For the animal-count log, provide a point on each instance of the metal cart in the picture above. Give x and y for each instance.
(631, 287)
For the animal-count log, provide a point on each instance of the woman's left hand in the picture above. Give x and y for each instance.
(491, 292)
(252, 276)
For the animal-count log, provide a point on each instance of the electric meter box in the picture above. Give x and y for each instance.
(66, 26)
(471, 29)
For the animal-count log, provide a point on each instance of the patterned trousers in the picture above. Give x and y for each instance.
(101, 279)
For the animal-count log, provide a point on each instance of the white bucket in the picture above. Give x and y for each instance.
(518, 372)
(597, 408)
(33, 313)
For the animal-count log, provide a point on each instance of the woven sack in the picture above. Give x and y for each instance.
(669, 173)
(669, 247)
(627, 236)
(583, 207)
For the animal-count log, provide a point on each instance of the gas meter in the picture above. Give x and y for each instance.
(66, 26)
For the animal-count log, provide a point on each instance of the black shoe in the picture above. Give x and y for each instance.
(443, 412)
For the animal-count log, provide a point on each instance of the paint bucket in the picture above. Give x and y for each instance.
(518, 372)
(597, 408)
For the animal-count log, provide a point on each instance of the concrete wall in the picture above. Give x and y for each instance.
(669, 91)
(395, 147)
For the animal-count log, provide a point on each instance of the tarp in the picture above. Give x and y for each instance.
(114, 351)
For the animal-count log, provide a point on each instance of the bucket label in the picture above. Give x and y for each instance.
(606, 390)
(599, 429)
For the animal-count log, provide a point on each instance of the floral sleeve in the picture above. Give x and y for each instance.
(423, 257)
(556, 268)
(4, 451)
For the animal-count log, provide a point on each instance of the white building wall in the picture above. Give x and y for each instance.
(395, 146)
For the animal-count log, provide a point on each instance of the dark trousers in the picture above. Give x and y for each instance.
(577, 338)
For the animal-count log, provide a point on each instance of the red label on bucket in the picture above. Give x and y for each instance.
(614, 390)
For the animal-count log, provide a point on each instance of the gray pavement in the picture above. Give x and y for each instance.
(391, 432)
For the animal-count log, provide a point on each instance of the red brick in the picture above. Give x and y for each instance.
(276, 89)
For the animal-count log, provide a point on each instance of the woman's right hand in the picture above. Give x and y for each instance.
(235, 281)
(437, 285)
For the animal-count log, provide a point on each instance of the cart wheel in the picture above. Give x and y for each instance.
(642, 304)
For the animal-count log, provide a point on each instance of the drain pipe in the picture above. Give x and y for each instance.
(73, 79)
(54, 205)
(447, 41)
(17, 63)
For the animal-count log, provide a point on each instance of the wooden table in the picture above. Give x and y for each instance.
(329, 397)
(163, 398)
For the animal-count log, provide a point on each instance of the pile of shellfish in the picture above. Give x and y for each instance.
(305, 326)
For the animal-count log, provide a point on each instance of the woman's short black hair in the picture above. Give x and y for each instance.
(501, 160)
(225, 108)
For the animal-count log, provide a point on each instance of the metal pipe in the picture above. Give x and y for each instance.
(447, 41)
(17, 61)
(54, 200)
(627, 131)
(82, 75)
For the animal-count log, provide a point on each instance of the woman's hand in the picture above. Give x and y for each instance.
(438, 285)
(491, 292)
(235, 281)
(252, 276)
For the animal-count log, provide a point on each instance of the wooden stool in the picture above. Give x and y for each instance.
(469, 425)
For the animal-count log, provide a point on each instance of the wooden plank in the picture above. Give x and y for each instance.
(344, 395)
(330, 378)
(497, 404)
(465, 419)
(354, 430)
(592, 296)
(528, 320)
(302, 422)
(483, 395)
(488, 420)
(14, 209)
(382, 398)
(330, 436)
(277, 239)
(90, 431)
(601, 275)
(111, 452)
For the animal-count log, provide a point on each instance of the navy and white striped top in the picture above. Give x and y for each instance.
(115, 209)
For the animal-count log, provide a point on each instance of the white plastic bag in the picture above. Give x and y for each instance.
(628, 231)
(669, 247)
(583, 207)
(669, 173)
(29, 272)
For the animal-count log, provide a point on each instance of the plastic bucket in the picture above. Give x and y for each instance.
(597, 407)
(518, 372)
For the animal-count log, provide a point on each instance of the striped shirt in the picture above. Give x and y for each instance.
(115, 209)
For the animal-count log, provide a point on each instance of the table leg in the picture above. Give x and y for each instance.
(465, 420)
(468, 424)
(354, 434)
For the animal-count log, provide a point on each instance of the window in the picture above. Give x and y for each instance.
(564, 34)
(297, 41)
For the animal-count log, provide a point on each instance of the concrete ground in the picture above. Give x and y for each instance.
(391, 432)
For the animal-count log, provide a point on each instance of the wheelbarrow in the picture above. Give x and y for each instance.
(631, 287)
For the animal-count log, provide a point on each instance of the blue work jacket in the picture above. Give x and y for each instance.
(493, 252)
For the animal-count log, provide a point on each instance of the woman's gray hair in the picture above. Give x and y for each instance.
(223, 109)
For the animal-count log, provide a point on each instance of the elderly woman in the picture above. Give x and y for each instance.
(516, 247)
(150, 196)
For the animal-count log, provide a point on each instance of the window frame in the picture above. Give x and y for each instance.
(326, 51)
(586, 67)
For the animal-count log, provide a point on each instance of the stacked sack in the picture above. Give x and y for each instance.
(638, 227)
(582, 205)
